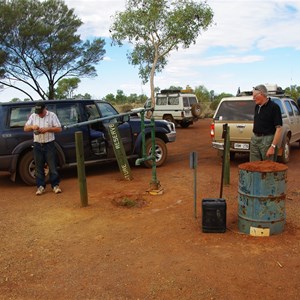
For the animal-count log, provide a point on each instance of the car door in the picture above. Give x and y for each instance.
(13, 132)
(291, 119)
(98, 138)
(107, 110)
(187, 107)
(68, 113)
(296, 112)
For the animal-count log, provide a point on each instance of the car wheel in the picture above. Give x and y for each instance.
(160, 152)
(285, 158)
(196, 110)
(26, 169)
(232, 156)
(185, 124)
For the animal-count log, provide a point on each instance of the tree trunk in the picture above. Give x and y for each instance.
(152, 80)
(51, 95)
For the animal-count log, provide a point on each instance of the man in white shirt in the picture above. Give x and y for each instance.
(44, 125)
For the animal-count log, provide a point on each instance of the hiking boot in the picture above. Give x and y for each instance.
(56, 189)
(40, 190)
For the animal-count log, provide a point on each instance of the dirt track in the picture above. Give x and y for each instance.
(53, 249)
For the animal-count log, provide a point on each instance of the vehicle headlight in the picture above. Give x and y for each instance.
(171, 126)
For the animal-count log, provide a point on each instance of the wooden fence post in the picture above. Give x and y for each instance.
(81, 169)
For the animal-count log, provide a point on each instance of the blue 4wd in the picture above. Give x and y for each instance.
(16, 155)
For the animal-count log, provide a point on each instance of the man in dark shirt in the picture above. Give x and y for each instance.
(267, 126)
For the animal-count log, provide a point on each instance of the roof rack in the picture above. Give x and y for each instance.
(170, 91)
(177, 91)
(273, 90)
(245, 93)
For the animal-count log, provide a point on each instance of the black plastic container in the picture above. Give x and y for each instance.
(213, 215)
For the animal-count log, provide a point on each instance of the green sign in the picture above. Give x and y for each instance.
(119, 151)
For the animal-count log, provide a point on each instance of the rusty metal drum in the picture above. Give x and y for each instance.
(261, 198)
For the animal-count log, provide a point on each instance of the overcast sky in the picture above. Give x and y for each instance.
(252, 42)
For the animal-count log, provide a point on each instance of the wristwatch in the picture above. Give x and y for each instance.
(274, 146)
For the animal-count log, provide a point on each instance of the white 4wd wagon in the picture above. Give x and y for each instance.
(238, 113)
(177, 106)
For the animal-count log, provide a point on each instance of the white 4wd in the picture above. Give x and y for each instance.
(177, 106)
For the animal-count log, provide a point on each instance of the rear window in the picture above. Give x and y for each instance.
(236, 111)
(19, 116)
(193, 100)
(189, 101)
(173, 100)
(67, 113)
(161, 101)
(289, 108)
(185, 101)
(295, 108)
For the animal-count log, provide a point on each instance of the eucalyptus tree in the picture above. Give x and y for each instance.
(202, 93)
(66, 87)
(155, 28)
(40, 45)
(293, 91)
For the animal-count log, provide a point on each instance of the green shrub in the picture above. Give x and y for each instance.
(213, 106)
(125, 107)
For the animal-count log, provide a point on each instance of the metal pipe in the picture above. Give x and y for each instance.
(105, 118)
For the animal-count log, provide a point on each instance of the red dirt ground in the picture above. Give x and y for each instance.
(51, 248)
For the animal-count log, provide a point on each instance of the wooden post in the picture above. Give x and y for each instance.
(225, 175)
(227, 157)
(81, 169)
(193, 165)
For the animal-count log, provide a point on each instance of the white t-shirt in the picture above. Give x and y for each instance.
(49, 120)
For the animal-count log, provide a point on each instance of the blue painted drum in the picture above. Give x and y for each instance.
(261, 198)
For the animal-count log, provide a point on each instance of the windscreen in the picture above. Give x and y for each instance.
(242, 110)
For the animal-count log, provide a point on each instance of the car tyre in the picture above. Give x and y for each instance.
(185, 124)
(26, 169)
(160, 152)
(285, 158)
(232, 156)
(196, 110)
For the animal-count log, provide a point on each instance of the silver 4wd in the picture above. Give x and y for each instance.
(177, 106)
(238, 113)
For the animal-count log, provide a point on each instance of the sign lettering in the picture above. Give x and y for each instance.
(119, 151)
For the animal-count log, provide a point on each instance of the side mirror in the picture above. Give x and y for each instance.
(126, 118)
(148, 104)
